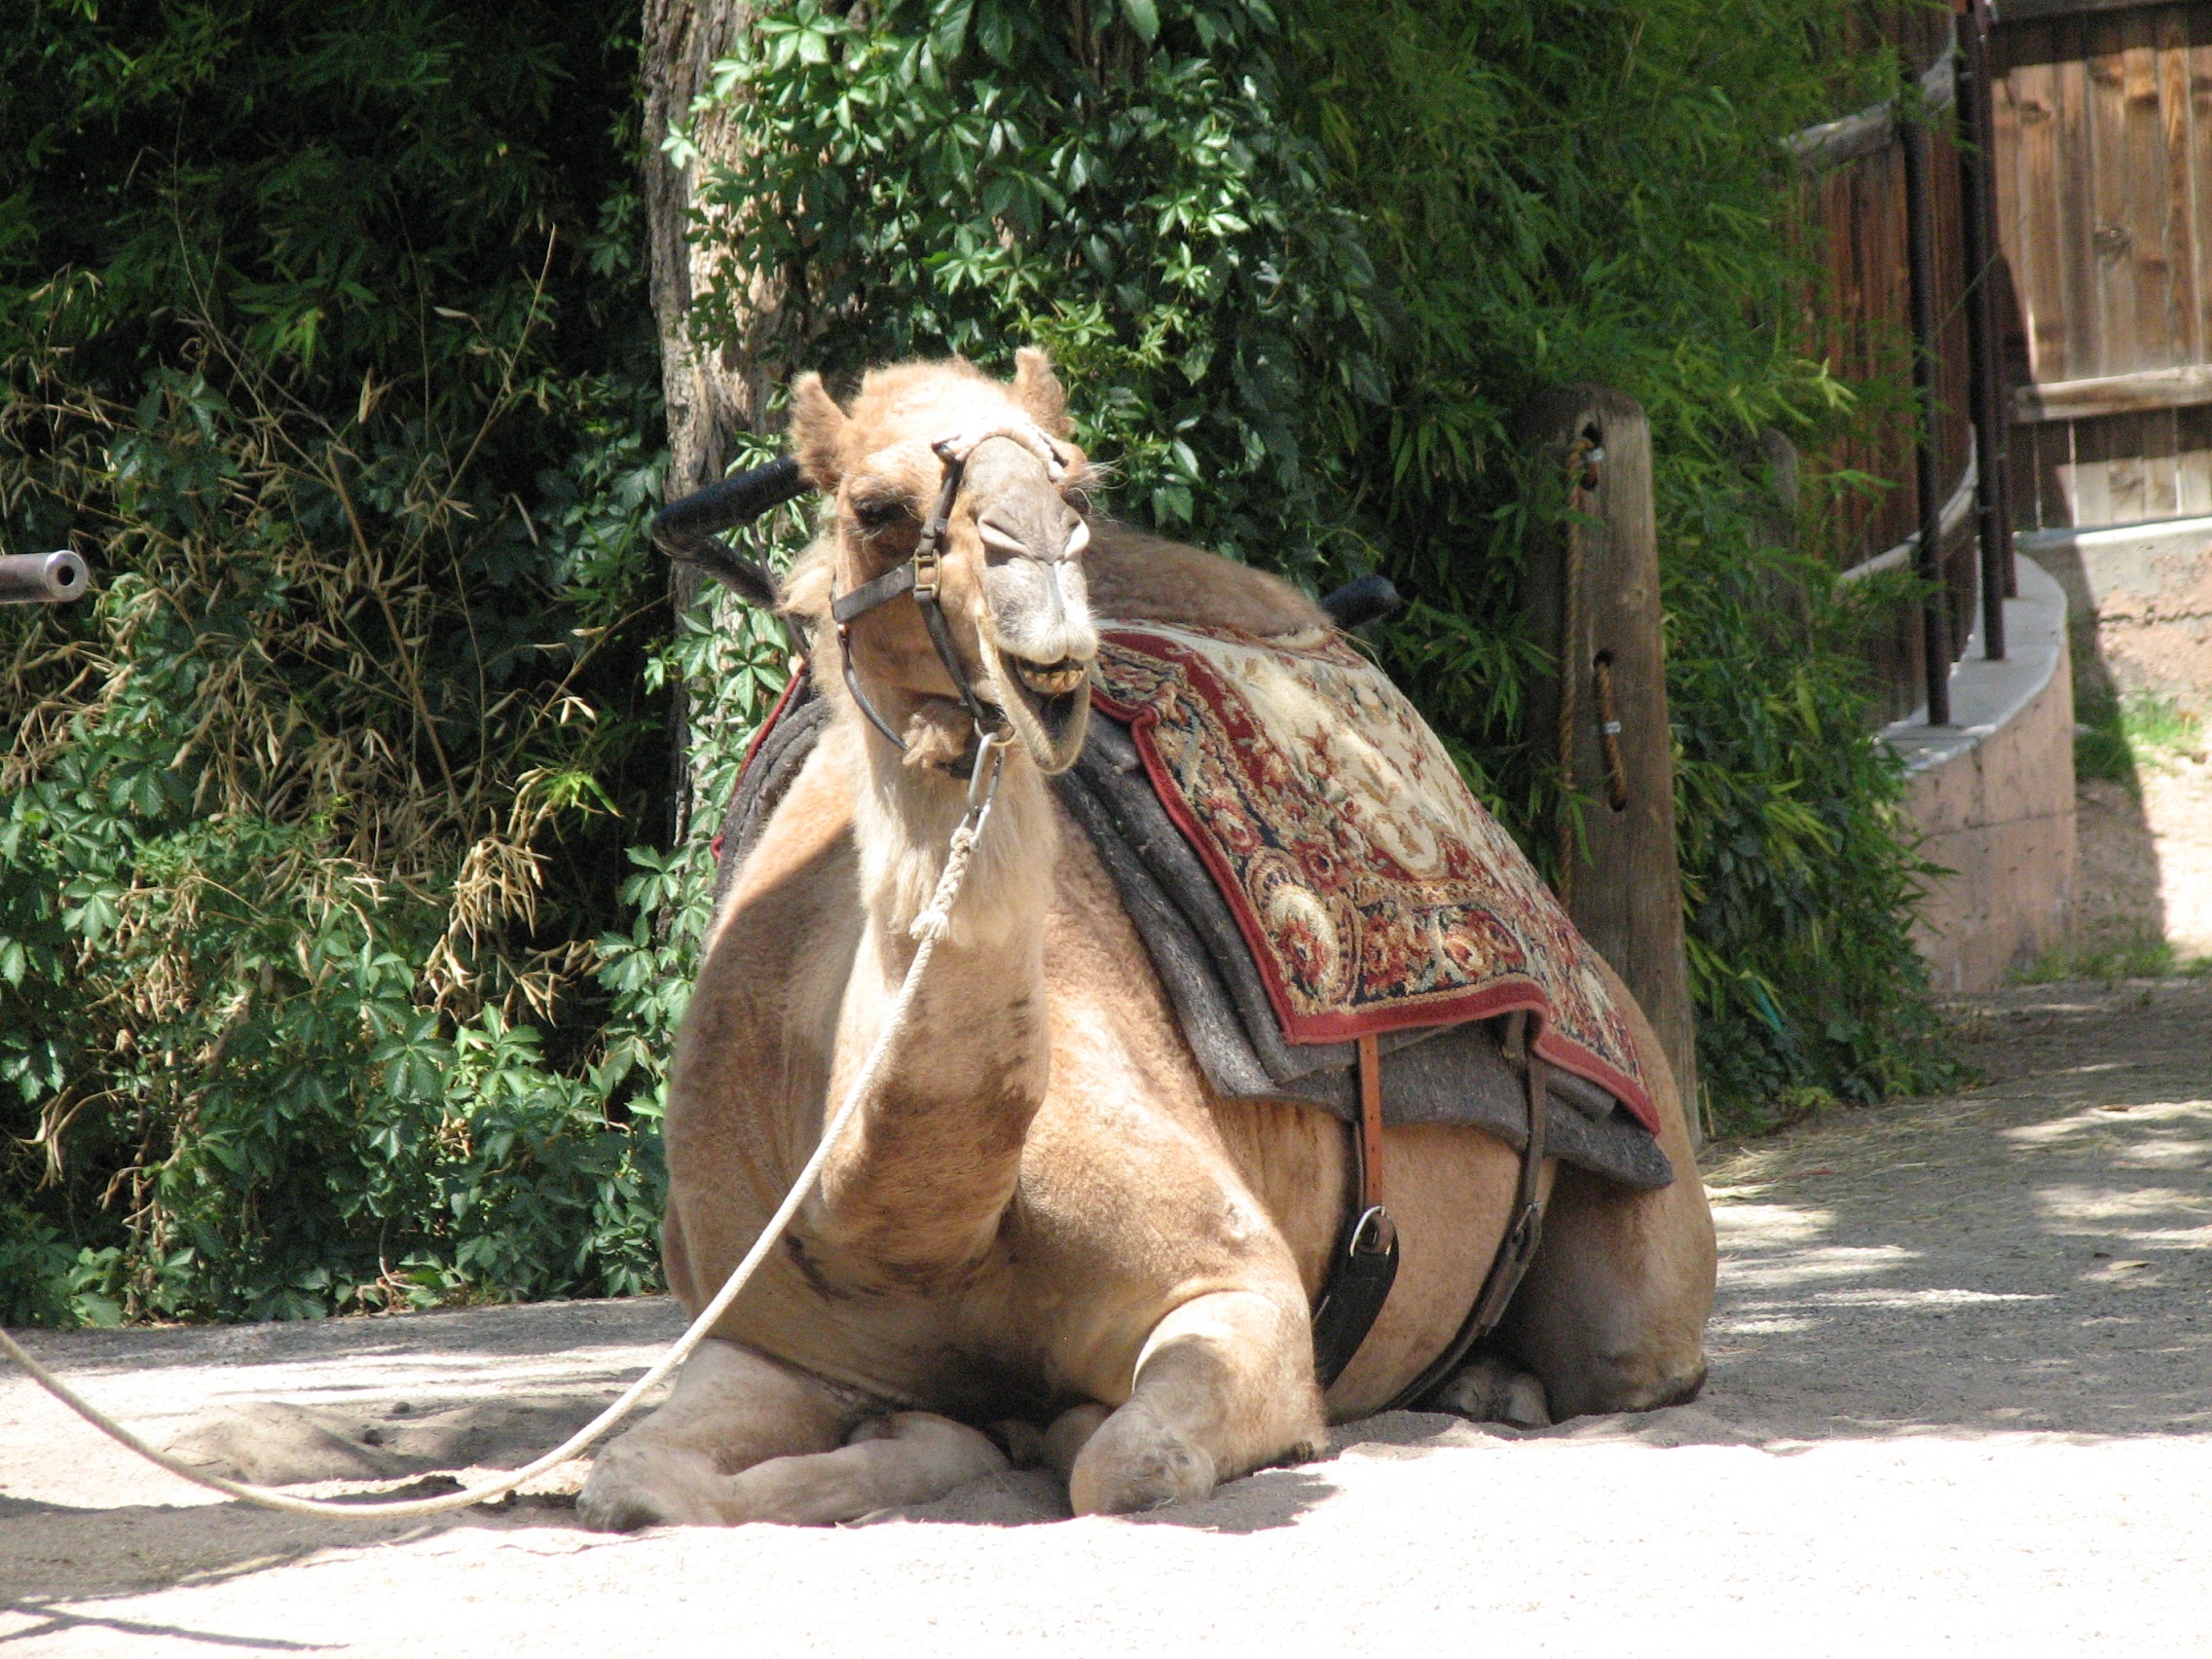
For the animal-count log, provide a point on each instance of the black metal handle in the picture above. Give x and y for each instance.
(686, 529)
(731, 503)
(1368, 599)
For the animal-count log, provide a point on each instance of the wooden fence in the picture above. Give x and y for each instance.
(2104, 165)
(1858, 201)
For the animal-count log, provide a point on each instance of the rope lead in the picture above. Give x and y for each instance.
(928, 929)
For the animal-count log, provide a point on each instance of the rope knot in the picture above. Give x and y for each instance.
(932, 923)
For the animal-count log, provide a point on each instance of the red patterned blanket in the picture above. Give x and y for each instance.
(1374, 891)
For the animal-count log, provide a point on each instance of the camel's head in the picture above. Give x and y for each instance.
(1010, 576)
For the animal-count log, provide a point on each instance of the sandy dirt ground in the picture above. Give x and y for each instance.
(2145, 863)
(1961, 1402)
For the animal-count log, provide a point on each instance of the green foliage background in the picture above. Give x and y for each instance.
(339, 941)
(320, 334)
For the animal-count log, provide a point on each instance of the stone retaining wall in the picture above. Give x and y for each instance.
(1993, 795)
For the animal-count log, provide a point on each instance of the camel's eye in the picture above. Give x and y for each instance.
(879, 512)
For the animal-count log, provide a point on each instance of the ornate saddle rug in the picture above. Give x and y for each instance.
(1372, 890)
(1442, 1059)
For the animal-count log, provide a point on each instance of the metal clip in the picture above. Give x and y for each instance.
(984, 781)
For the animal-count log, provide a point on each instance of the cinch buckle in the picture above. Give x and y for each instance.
(1374, 1233)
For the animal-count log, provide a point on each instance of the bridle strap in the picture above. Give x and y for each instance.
(918, 576)
(898, 579)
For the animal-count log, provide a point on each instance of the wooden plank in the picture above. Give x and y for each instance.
(2192, 462)
(2160, 455)
(2113, 395)
(2200, 163)
(2182, 324)
(2128, 500)
(2027, 199)
(2088, 489)
(2021, 456)
(2058, 456)
(2046, 450)
(2112, 275)
(1953, 374)
(2144, 202)
(2077, 220)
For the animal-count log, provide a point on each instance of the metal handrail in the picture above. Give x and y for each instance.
(43, 578)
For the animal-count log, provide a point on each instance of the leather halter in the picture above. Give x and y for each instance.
(918, 576)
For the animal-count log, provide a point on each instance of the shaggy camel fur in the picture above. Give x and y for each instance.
(1045, 1214)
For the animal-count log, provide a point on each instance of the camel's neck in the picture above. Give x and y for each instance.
(922, 1181)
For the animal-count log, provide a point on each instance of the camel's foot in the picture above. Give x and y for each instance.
(1225, 1384)
(1490, 1390)
(906, 1457)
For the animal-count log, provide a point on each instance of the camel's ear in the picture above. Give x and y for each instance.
(817, 432)
(1038, 391)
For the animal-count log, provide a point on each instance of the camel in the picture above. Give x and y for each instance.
(1045, 1218)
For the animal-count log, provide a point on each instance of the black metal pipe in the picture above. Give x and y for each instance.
(1920, 253)
(731, 503)
(42, 578)
(1993, 529)
(687, 530)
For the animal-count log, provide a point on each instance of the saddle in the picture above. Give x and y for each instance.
(1336, 919)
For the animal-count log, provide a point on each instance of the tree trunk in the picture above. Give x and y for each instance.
(712, 392)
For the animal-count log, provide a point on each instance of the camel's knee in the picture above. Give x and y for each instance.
(1138, 1460)
(1225, 1384)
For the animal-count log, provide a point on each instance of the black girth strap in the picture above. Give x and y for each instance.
(1515, 1251)
(1366, 1262)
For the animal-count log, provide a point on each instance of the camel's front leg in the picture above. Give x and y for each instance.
(731, 1409)
(1224, 1384)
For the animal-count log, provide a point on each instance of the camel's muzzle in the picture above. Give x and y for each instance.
(1046, 704)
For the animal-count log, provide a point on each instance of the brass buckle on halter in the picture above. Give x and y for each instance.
(924, 564)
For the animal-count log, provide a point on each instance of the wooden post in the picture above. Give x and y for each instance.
(1599, 574)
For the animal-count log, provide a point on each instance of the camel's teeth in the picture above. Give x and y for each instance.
(1056, 682)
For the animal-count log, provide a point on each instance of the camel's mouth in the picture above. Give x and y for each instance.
(1052, 679)
(1047, 703)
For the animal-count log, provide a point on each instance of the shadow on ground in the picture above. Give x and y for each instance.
(2032, 1255)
